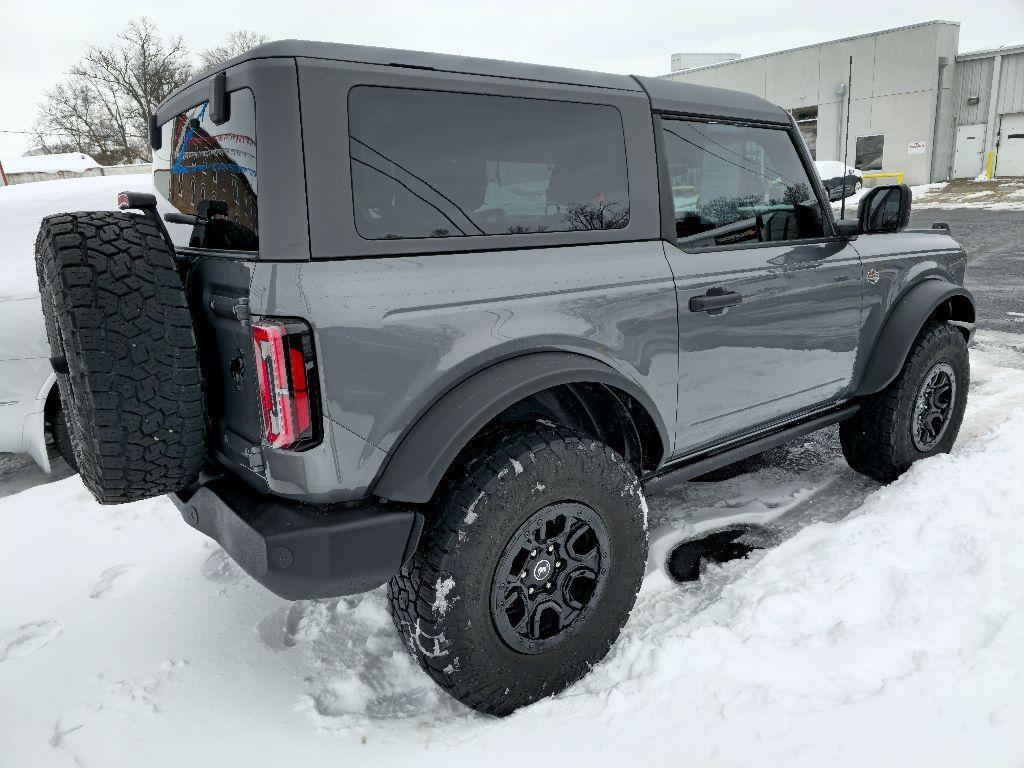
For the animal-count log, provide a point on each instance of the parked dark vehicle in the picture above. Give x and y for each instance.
(463, 314)
(839, 180)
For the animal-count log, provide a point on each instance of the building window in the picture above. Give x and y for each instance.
(234, 188)
(192, 190)
(437, 164)
(807, 121)
(738, 185)
(869, 152)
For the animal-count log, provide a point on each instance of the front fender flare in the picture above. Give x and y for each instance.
(424, 454)
(905, 321)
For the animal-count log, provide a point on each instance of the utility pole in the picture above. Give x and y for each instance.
(846, 144)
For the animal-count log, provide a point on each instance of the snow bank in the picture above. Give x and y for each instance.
(23, 206)
(885, 629)
(67, 161)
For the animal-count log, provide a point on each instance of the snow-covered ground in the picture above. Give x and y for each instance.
(999, 195)
(885, 629)
(22, 207)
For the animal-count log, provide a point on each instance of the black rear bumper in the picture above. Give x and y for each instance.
(300, 551)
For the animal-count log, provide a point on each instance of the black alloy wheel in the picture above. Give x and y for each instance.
(933, 406)
(550, 572)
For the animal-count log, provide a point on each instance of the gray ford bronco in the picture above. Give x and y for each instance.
(439, 322)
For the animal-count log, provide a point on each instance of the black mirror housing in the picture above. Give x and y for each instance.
(885, 209)
(848, 228)
(220, 100)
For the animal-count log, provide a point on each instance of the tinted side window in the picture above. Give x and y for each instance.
(199, 162)
(738, 184)
(438, 164)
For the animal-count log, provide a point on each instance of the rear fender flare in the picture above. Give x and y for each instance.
(429, 447)
(905, 321)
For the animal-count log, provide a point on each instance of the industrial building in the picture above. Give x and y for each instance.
(917, 106)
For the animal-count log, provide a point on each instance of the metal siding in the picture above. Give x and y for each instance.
(973, 78)
(1011, 84)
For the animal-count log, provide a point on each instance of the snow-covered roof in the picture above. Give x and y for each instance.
(833, 169)
(66, 161)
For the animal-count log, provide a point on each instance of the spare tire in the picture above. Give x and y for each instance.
(124, 349)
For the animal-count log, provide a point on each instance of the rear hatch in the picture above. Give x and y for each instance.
(209, 171)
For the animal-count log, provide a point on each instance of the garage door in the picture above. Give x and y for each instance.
(1010, 159)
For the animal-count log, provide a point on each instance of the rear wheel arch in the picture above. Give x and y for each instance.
(929, 300)
(565, 388)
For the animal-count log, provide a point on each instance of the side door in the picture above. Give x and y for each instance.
(968, 161)
(770, 299)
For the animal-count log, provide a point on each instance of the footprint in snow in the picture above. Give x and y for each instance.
(220, 568)
(114, 581)
(29, 638)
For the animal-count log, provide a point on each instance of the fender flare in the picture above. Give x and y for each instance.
(429, 447)
(900, 330)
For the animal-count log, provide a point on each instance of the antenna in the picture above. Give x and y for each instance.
(846, 143)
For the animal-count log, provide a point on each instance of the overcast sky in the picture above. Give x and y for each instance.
(40, 40)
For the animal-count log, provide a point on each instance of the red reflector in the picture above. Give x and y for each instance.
(285, 371)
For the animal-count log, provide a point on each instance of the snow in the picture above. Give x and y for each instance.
(441, 590)
(884, 628)
(66, 161)
(1001, 195)
(23, 206)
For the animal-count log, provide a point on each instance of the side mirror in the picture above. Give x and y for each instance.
(885, 209)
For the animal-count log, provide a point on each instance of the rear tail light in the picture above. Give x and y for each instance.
(287, 376)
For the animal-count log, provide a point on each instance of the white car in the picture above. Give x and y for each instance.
(838, 179)
(30, 410)
(29, 402)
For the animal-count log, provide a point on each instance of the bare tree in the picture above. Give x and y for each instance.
(238, 43)
(599, 215)
(103, 106)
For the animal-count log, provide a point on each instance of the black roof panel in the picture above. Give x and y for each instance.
(365, 54)
(665, 95)
(673, 96)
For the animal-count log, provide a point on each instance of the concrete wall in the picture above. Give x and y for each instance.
(109, 170)
(896, 88)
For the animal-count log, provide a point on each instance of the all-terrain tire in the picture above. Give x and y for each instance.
(121, 335)
(878, 440)
(441, 599)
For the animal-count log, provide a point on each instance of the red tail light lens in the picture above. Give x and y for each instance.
(287, 377)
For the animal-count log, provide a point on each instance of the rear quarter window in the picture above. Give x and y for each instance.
(201, 167)
(441, 164)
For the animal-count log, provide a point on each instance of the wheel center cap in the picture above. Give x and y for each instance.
(542, 570)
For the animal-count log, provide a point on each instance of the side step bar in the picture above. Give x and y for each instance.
(687, 469)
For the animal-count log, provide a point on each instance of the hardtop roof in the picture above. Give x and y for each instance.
(665, 95)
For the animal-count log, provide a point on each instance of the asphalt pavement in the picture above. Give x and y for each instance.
(994, 241)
